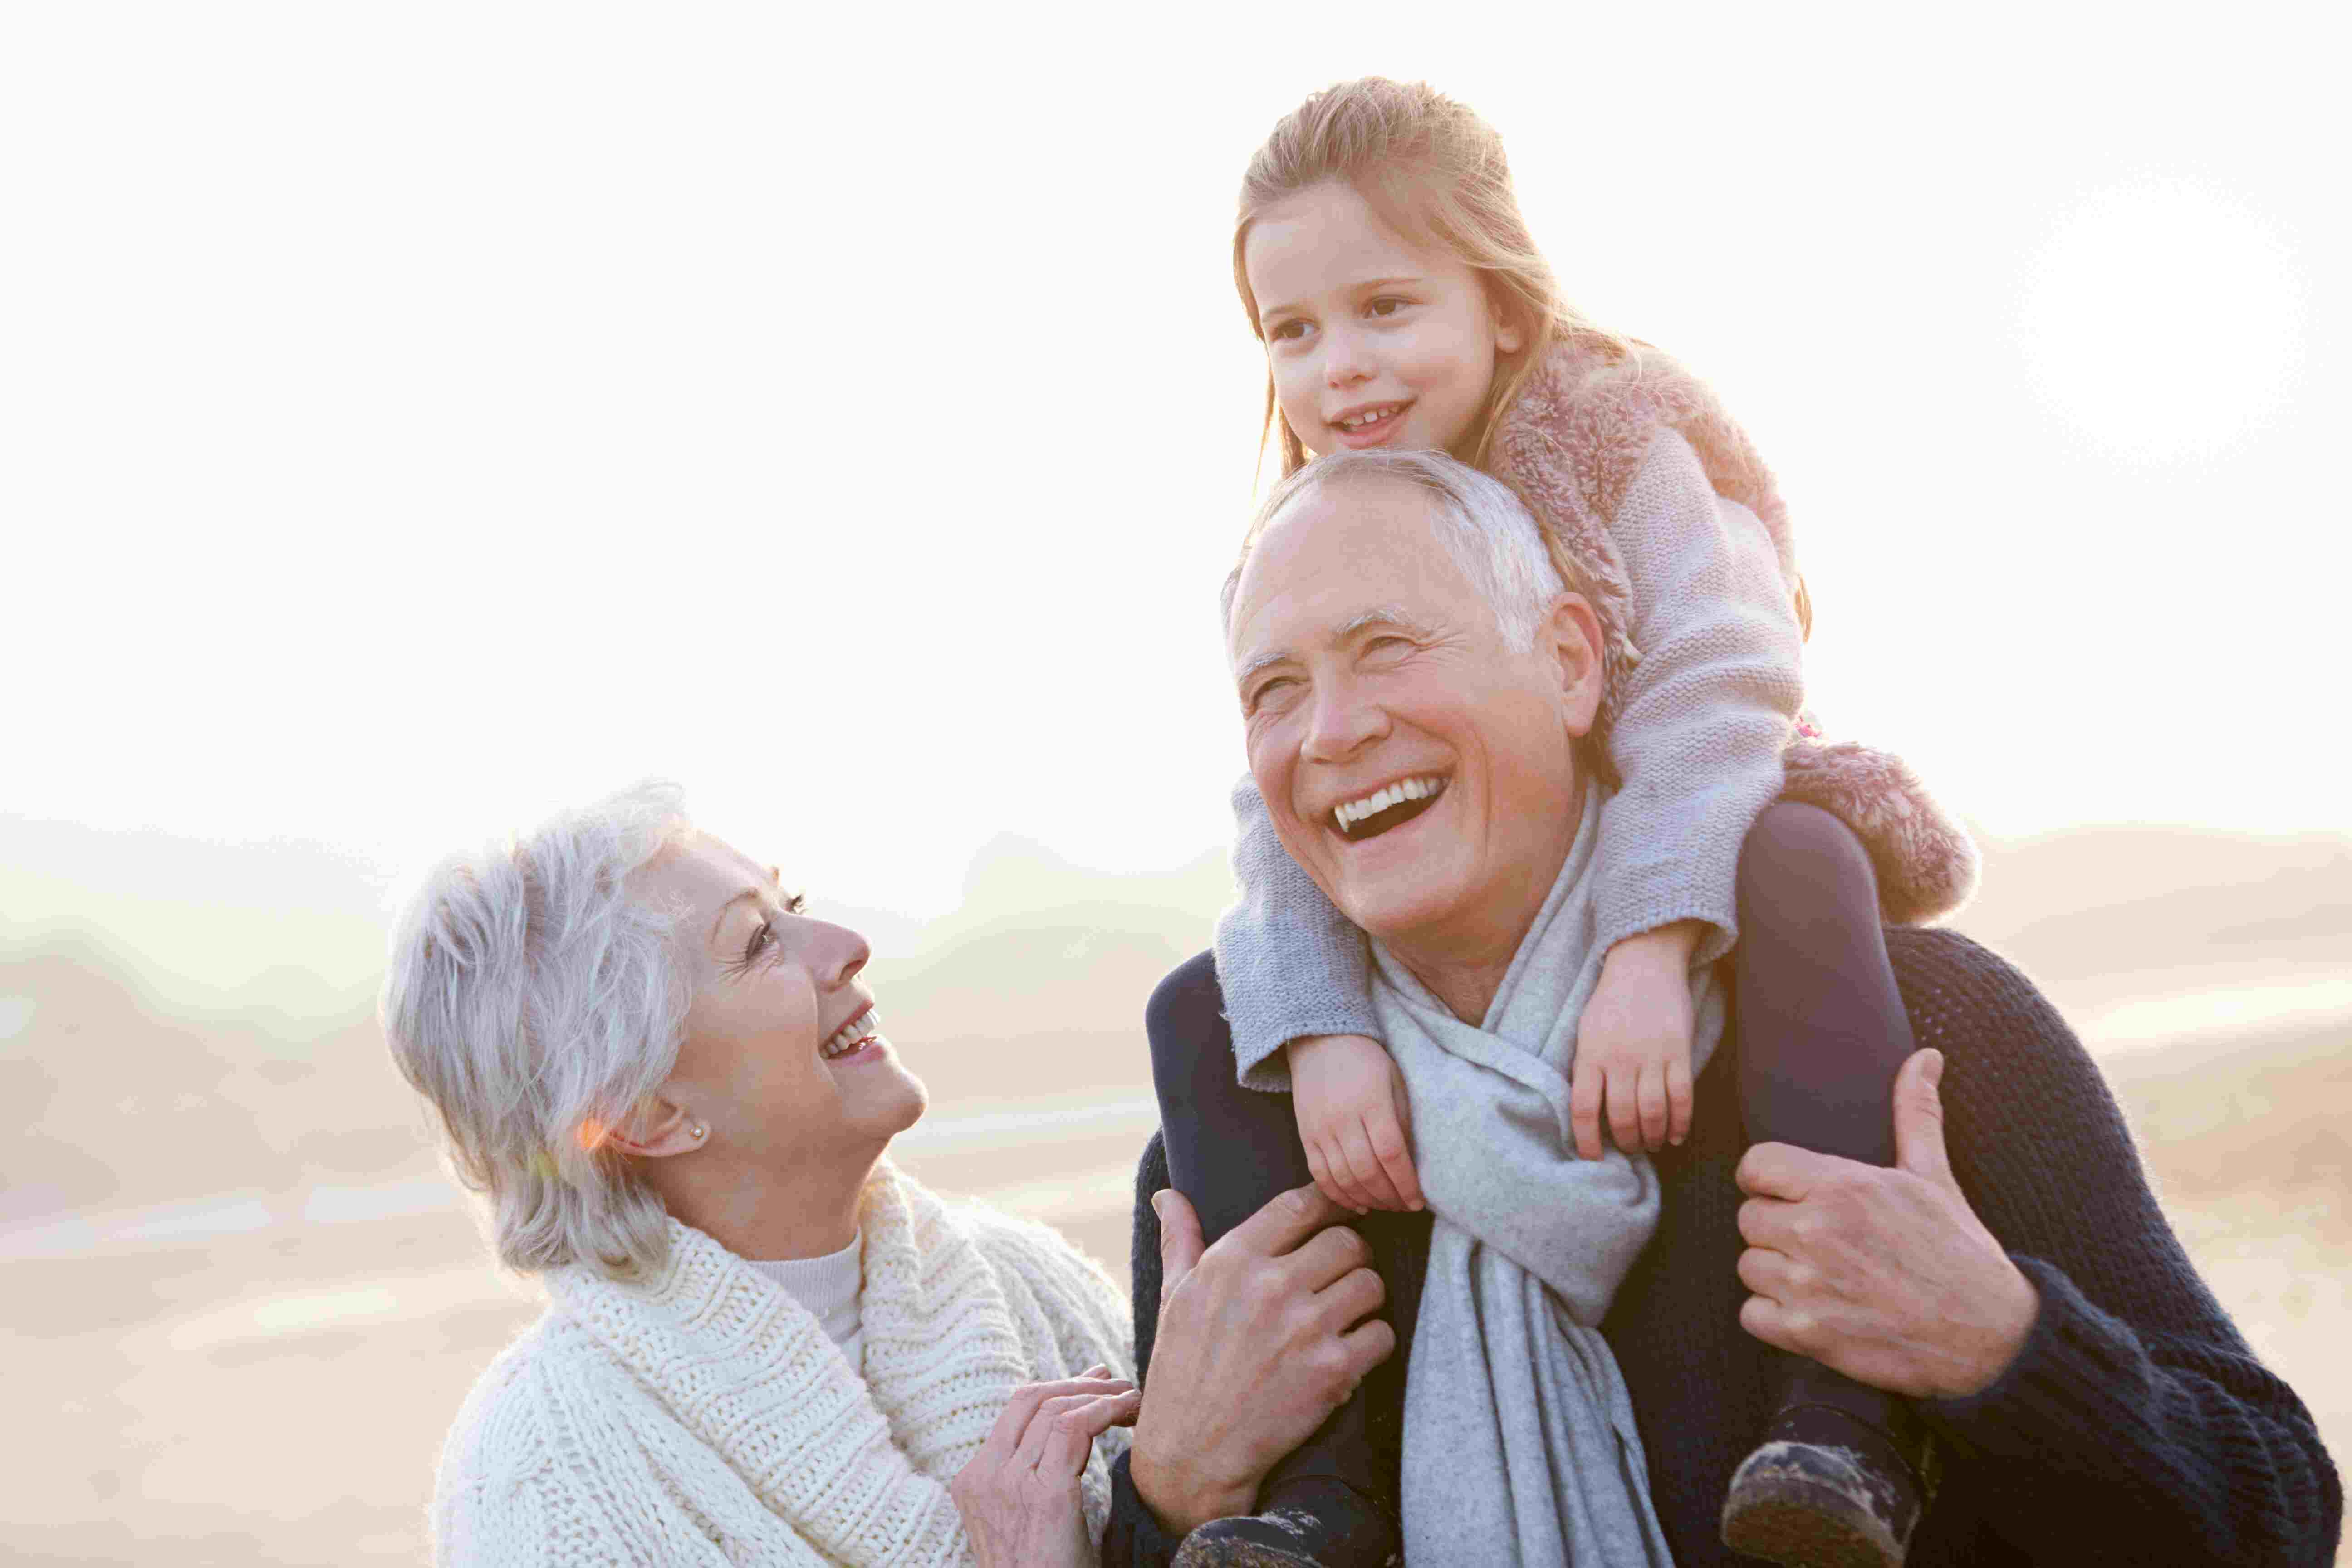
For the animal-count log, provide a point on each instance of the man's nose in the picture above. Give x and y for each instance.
(1342, 723)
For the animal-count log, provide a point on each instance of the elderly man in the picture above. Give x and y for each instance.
(2011, 1273)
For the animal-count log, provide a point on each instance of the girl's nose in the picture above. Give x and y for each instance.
(1345, 361)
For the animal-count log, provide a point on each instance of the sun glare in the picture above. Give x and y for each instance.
(2165, 323)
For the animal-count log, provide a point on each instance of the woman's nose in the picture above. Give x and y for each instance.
(845, 953)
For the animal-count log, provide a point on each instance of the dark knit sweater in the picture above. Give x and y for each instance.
(2135, 1427)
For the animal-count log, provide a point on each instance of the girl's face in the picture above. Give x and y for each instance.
(1374, 340)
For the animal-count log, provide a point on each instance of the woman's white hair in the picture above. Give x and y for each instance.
(1482, 524)
(535, 1003)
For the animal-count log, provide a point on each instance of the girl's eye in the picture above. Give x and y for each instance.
(1386, 305)
(1286, 332)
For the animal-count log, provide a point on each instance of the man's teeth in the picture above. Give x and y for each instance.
(1370, 416)
(1352, 812)
(851, 1033)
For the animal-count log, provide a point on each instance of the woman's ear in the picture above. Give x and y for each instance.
(657, 1131)
(1570, 637)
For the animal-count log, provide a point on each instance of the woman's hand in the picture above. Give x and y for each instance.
(1634, 1045)
(1019, 1495)
(1354, 1120)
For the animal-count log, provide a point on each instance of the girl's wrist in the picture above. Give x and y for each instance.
(1671, 944)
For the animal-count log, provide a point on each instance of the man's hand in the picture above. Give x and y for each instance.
(1354, 1120)
(1886, 1276)
(1634, 1045)
(1260, 1338)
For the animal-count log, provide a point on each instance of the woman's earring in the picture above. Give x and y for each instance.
(699, 1130)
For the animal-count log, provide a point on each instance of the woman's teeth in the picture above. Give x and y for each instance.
(1348, 813)
(852, 1035)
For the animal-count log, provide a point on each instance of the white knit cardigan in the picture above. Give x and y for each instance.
(700, 1415)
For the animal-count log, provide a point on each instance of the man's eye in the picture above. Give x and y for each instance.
(1271, 690)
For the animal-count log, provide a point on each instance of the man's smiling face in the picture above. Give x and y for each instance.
(1419, 767)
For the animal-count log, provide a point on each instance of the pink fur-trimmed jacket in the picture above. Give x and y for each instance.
(1571, 444)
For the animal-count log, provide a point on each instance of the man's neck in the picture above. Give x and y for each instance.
(1464, 962)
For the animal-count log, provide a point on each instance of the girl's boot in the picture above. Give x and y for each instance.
(1839, 1481)
(1310, 1521)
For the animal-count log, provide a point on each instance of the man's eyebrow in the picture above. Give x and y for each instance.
(775, 879)
(1263, 661)
(1385, 616)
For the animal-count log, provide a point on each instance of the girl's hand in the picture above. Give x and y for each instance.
(1634, 1045)
(1019, 1495)
(1354, 1120)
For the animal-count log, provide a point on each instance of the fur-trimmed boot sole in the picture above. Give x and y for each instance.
(1826, 1489)
(1313, 1522)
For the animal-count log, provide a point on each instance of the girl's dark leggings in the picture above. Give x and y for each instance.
(1821, 1031)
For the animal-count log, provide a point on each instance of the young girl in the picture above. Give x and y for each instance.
(1382, 261)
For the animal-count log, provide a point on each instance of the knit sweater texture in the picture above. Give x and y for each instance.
(702, 1416)
(2136, 1426)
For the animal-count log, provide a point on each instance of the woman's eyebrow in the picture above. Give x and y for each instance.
(776, 880)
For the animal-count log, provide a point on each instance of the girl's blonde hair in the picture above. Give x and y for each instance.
(1436, 172)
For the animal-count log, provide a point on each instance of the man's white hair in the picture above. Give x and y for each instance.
(528, 997)
(1482, 524)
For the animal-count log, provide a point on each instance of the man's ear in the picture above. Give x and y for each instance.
(657, 1131)
(1570, 637)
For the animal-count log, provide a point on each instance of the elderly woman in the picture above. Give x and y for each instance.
(763, 1344)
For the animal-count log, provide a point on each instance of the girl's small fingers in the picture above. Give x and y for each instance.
(1678, 1100)
(1624, 1113)
(1321, 1173)
(1395, 1155)
(1584, 1110)
(1371, 1180)
(1652, 1099)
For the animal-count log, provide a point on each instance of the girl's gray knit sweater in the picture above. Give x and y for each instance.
(1700, 725)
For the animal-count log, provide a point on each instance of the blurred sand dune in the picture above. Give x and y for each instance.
(241, 1282)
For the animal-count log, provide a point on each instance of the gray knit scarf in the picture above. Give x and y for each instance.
(1520, 1442)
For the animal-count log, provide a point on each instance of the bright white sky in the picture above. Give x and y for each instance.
(412, 417)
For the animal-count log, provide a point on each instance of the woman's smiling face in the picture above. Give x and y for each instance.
(1373, 340)
(783, 1060)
